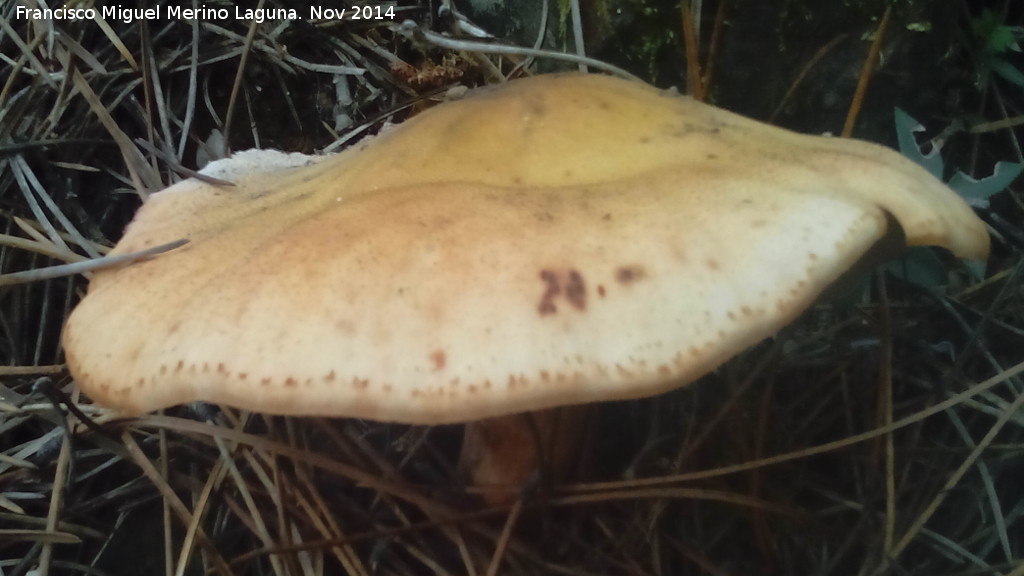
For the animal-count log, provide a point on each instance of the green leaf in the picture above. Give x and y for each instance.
(994, 36)
(1002, 39)
(976, 268)
(905, 128)
(920, 267)
(977, 192)
(1007, 71)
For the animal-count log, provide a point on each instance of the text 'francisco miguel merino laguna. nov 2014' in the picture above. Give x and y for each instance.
(128, 15)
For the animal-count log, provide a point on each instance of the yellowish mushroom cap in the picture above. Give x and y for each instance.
(559, 240)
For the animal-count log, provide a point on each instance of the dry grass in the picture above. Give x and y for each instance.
(884, 436)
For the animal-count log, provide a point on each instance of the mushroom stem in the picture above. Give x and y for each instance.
(504, 455)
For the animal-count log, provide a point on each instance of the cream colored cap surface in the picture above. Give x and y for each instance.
(562, 239)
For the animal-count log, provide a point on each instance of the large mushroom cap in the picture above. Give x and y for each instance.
(562, 239)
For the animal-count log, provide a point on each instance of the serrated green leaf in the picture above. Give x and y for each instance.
(977, 192)
(905, 128)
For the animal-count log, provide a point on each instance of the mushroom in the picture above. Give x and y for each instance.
(563, 239)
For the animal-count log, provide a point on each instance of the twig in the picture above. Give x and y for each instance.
(84, 266)
(865, 75)
(409, 28)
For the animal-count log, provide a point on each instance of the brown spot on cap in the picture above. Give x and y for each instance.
(561, 282)
(438, 359)
(576, 291)
(629, 274)
(551, 289)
